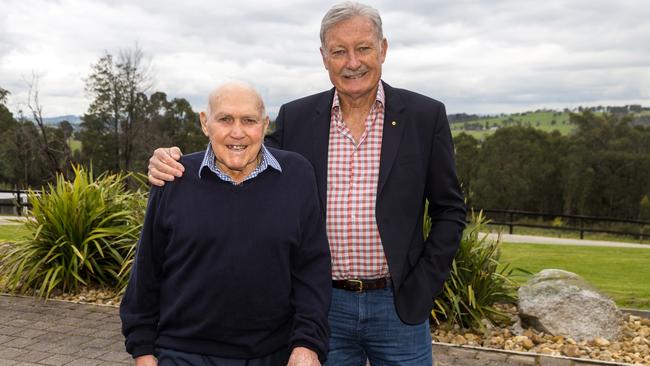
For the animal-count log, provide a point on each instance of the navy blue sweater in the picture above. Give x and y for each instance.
(231, 271)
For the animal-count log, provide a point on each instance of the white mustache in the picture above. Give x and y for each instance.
(353, 73)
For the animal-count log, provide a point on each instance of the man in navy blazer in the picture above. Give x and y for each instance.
(378, 152)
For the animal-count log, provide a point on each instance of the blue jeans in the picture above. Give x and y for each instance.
(365, 327)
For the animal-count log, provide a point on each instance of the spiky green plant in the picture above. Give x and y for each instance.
(82, 233)
(477, 281)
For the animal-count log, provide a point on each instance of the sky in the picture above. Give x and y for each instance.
(483, 57)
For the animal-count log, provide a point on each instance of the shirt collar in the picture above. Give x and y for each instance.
(267, 160)
(379, 98)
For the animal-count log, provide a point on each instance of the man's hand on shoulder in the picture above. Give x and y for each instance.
(302, 356)
(164, 165)
(147, 360)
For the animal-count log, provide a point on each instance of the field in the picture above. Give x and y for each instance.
(622, 273)
(544, 120)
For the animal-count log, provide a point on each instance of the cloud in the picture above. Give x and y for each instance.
(477, 56)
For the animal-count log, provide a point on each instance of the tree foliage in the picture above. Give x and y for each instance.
(30, 154)
(124, 124)
(603, 169)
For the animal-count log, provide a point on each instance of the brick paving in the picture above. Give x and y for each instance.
(33, 332)
(55, 333)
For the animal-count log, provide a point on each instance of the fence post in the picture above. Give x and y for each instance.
(19, 202)
(582, 231)
(511, 222)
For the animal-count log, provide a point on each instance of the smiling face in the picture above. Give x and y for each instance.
(235, 126)
(353, 56)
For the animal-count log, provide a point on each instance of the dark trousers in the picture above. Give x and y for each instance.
(169, 357)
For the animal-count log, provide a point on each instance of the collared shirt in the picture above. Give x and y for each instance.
(352, 177)
(268, 160)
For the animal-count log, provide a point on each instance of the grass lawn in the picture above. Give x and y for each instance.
(12, 232)
(622, 273)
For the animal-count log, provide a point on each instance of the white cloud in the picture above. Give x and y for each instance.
(476, 56)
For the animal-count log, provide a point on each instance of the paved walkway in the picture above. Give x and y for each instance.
(59, 333)
(9, 220)
(514, 238)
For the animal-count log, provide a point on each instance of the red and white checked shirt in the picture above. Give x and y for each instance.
(352, 176)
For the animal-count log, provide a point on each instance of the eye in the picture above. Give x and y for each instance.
(225, 119)
(363, 49)
(249, 121)
(338, 52)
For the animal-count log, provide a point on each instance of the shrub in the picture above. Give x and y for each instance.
(477, 281)
(82, 233)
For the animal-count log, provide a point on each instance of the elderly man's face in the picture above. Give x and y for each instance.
(236, 130)
(353, 57)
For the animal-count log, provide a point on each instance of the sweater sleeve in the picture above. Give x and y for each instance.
(139, 309)
(311, 276)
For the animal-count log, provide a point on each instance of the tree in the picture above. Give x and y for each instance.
(116, 115)
(54, 148)
(30, 151)
(518, 170)
(608, 168)
(467, 154)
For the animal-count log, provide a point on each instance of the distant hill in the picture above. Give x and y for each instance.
(74, 120)
(544, 119)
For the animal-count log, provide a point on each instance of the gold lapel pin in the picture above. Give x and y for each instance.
(394, 123)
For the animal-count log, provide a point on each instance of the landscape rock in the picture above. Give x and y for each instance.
(561, 303)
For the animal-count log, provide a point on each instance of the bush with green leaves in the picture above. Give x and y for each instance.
(83, 233)
(477, 281)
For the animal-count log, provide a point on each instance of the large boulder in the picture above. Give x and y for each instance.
(562, 303)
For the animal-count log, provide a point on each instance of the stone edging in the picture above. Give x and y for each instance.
(59, 300)
(447, 354)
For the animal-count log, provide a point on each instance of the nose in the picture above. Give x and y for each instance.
(353, 61)
(237, 130)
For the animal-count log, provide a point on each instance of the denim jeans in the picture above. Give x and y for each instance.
(365, 327)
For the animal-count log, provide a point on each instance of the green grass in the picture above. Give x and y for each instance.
(12, 232)
(622, 273)
(542, 120)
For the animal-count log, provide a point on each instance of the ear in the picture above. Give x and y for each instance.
(384, 48)
(266, 122)
(323, 55)
(204, 123)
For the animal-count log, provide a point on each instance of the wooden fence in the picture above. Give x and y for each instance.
(577, 223)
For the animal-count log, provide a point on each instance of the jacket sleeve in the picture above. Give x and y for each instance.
(139, 309)
(446, 207)
(311, 276)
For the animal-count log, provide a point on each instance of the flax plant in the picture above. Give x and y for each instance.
(82, 233)
(477, 281)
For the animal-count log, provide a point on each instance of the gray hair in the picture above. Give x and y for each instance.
(216, 93)
(347, 10)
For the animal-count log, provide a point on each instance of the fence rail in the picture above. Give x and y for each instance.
(13, 202)
(576, 223)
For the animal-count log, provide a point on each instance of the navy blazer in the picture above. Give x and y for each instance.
(417, 163)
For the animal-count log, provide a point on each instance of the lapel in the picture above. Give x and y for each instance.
(321, 134)
(392, 134)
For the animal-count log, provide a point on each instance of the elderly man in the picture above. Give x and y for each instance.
(378, 152)
(233, 265)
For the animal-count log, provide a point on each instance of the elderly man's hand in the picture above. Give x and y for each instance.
(301, 356)
(164, 165)
(147, 360)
